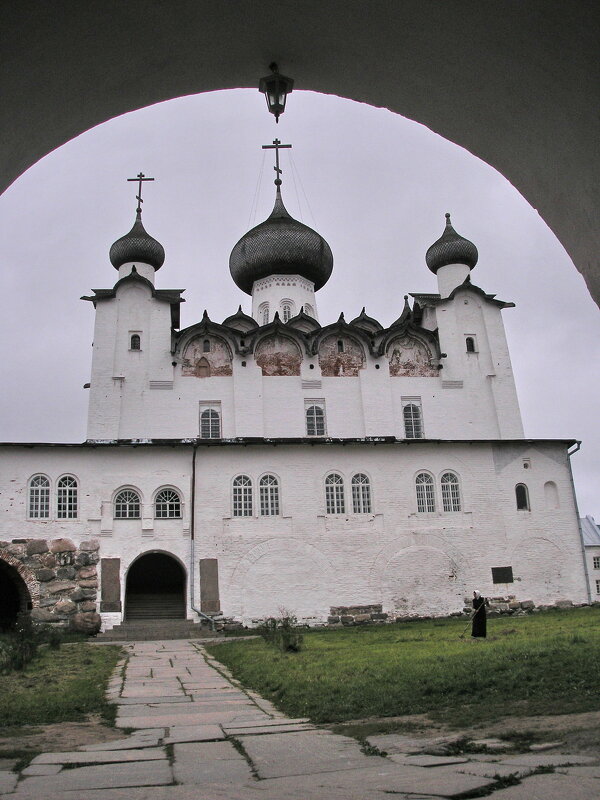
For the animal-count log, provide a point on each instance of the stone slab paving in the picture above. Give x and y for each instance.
(172, 695)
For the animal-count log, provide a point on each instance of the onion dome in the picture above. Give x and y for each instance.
(137, 245)
(280, 246)
(451, 248)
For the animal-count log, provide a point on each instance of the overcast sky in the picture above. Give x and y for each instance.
(374, 184)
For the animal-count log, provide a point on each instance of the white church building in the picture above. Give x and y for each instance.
(273, 461)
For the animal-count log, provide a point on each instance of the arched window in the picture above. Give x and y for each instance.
(315, 421)
(425, 493)
(269, 496)
(210, 424)
(206, 346)
(66, 498)
(413, 424)
(334, 494)
(127, 504)
(361, 494)
(135, 343)
(470, 343)
(450, 492)
(242, 496)
(308, 310)
(39, 497)
(167, 505)
(286, 310)
(263, 314)
(551, 495)
(522, 497)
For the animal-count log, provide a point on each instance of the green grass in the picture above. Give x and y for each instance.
(541, 664)
(59, 686)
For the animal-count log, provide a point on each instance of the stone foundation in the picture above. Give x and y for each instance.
(61, 579)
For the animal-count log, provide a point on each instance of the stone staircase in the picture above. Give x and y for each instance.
(151, 617)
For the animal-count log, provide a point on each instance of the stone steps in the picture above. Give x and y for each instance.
(151, 630)
(154, 606)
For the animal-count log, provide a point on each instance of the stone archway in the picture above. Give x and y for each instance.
(155, 588)
(14, 595)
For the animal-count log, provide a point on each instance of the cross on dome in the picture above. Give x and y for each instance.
(140, 178)
(277, 146)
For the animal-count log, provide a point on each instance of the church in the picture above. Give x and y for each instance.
(275, 462)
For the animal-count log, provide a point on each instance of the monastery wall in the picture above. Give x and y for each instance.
(305, 559)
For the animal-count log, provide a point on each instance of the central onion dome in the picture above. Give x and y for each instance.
(280, 246)
(137, 245)
(451, 248)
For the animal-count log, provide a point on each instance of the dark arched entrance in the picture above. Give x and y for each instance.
(14, 596)
(155, 588)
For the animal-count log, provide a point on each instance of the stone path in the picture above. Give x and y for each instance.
(197, 735)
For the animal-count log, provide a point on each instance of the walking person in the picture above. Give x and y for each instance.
(479, 618)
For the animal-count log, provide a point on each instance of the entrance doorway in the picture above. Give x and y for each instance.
(14, 596)
(155, 588)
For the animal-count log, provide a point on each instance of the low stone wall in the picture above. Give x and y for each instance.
(61, 579)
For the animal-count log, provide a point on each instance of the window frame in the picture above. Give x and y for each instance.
(523, 504)
(362, 498)
(596, 562)
(318, 405)
(426, 500)
(335, 494)
(451, 497)
(210, 409)
(121, 491)
(41, 499)
(597, 586)
(263, 314)
(470, 337)
(269, 496)
(242, 505)
(413, 425)
(71, 501)
(170, 504)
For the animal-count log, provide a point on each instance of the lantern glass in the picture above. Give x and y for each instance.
(276, 87)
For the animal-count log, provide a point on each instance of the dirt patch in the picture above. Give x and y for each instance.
(58, 737)
(578, 733)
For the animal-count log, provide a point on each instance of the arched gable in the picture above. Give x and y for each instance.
(340, 355)
(410, 357)
(206, 355)
(276, 354)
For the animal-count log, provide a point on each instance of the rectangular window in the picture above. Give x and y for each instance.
(597, 587)
(314, 413)
(412, 417)
(596, 562)
(503, 575)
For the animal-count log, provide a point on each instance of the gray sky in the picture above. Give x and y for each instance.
(374, 184)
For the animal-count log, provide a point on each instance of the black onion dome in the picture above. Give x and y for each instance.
(451, 248)
(280, 246)
(137, 245)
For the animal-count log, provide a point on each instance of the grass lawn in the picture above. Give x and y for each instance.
(548, 663)
(60, 686)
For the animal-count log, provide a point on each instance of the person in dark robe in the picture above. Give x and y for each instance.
(479, 619)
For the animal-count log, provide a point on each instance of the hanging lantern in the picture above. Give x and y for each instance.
(275, 88)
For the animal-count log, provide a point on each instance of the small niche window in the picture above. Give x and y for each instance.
(470, 344)
(361, 494)
(315, 418)
(522, 497)
(450, 492)
(263, 313)
(135, 342)
(502, 575)
(210, 423)
(39, 497)
(551, 495)
(413, 419)
(596, 562)
(66, 498)
(269, 496)
(127, 504)
(242, 496)
(340, 346)
(287, 310)
(206, 346)
(425, 493)
(167, 505)
(334, 494)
